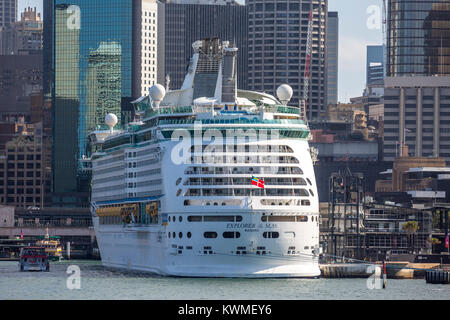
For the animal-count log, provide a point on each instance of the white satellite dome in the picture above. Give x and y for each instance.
(285, 93)
(157, 92)
(111, 120)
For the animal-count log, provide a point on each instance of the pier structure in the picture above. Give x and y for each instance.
(71, 225)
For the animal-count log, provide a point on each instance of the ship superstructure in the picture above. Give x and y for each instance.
(208, 181)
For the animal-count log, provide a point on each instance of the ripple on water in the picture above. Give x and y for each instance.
(100, 283)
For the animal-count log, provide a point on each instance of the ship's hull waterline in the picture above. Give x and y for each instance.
(140, 251)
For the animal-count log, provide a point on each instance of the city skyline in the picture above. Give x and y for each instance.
(354, 36)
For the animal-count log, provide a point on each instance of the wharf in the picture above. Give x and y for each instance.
(394, 270)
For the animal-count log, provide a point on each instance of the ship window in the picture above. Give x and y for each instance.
(179, 192)
(309, 181)
(219, 218)
(279, 219)
(189, 234)
(210, 235)
(174, 235)
(195, 218)
(231, 235)
(238, 218)
(180, 218)
(179, 181)
(169, 218)
(180, 235)
(289, 234)
(271, 235)
(306, 203)
(302, 218)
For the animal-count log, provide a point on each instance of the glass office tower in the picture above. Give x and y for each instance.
(92, 76)
(333, 56)
(8, 12)
(375, 65)
(277, 37)
(418, 37)
(185, 23)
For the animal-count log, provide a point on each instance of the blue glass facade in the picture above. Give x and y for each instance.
(418, 37)
(91, 76)
(375, 66)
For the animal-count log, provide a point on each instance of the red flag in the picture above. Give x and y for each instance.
(258, 182)
(446, 242)
(21, 235)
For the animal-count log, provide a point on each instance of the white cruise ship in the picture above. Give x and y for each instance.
(208, 180)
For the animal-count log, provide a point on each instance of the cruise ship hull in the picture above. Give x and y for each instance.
(145, 251)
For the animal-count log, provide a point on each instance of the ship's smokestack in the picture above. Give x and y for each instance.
(229, 72)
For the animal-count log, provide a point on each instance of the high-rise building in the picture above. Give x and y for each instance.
(24, 179)
(8, 12)
(375, 65)
(418, 37)
(24, 36)
(185, 22)
(417, 113)
(20, 77)
(278, 32)
(102, 58)
(332, 57)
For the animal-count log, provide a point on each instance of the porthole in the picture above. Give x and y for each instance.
(306, 203)
(180, 218)
(169, 235)
(271, 235)
(180, 235)
(189, 235)
(210, 235)
(169, 219)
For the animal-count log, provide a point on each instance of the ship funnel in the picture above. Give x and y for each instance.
(229, 75)
(285, 93)
(111, 120)
(157, 94)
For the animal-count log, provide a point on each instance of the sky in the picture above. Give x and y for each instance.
(357, 29)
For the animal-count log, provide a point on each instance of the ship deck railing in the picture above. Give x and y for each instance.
(256, 120)
(150, 112)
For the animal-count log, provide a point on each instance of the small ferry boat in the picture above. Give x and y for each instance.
(52, 246)
(34, 258)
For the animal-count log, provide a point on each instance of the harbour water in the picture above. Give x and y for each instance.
(98, 283)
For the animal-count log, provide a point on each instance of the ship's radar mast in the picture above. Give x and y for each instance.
(157, 94)
(111, 120)
(284, 93)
